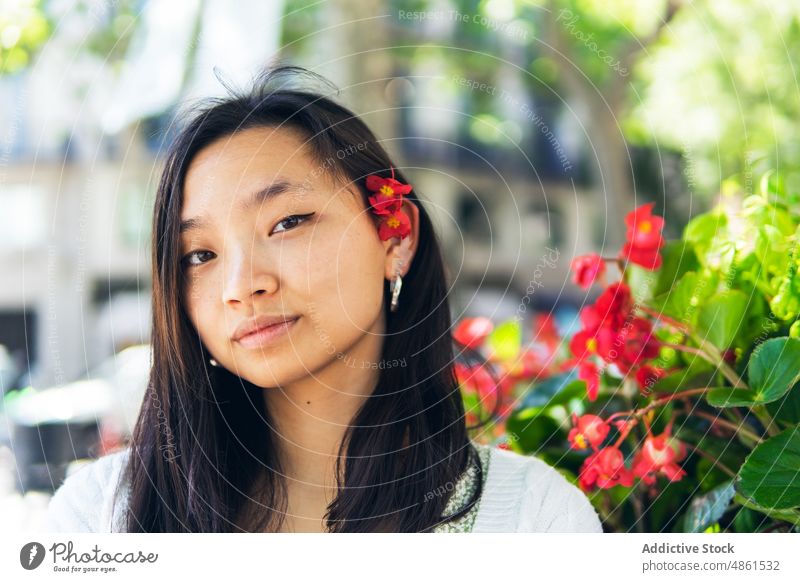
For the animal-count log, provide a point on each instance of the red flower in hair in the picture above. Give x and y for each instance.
(386, 203)
(387, 186)
(396, 224)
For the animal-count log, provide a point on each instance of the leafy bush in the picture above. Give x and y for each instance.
(676, 405)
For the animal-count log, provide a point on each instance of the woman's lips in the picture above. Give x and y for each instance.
(266, 335)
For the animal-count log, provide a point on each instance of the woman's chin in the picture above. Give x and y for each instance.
(272, 372)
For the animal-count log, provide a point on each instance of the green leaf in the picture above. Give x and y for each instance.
(548, 392)
(532, 429)
(772, 185)
(789, 515)
(770, 475)
(720, 317)
(641, 282)
(696, 373)
(748, 520)
(787, 409)
(506, 340)
(703, 230)
(774, 368)
(727, 397)
(678, 301)
(683, 301)
(771, 249)
(708, 508)
(759, 211)
(756, 324)
(678, 259)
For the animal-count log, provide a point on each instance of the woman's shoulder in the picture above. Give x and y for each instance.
(526, 494)
(88, 499)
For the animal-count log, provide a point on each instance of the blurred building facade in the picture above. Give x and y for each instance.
(82, 156)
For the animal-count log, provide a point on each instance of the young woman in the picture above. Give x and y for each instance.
(303, 368)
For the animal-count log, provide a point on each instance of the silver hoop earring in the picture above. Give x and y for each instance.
(395, 287)
(213, 362)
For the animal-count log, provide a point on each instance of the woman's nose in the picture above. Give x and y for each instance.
(245, 277)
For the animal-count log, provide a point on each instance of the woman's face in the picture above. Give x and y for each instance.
(266, 232)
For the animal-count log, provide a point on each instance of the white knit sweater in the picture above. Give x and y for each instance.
(522, 494)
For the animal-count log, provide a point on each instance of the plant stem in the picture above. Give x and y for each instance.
(735, 428)
(706, 349)
(656, 403)
(775, 526)
(671, 397)
(764, 418)
(731, 412)
(790, 515)
(629, 427)
(720, 364)
(714, 461)
(617, 261)
(665, 318)
(638, 508)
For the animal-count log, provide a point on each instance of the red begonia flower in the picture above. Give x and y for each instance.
(614, 305)
(604, 469)
(588, 430)
(472, 331)
(583, 344)
(644, 229)
(476, 379)
(386, 203)
(388, 187)
(393, 225)
(647, 376)
(586, 269)
(660, 454)
(643, 238)
(635, 344)
(590, 373)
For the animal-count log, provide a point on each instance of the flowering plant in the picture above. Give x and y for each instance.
(675, 404)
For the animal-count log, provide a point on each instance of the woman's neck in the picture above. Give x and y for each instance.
(310, 419)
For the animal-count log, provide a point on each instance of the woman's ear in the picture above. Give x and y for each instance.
(400, 252)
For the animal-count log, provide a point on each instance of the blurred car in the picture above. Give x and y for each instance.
(84, 419)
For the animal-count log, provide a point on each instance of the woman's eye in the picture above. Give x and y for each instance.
(292, 221)
(197, 258)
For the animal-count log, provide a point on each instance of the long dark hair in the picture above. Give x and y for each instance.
(204, 437)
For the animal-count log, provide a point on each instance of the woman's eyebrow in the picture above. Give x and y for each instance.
(274, 190)
(271, 192)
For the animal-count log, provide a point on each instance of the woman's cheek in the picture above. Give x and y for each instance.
(201, 311)
(360, 293)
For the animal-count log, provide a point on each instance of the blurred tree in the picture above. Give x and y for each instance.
(26, 25)
(712, 81)
(721, 86)
(24, 28)
(589, 48)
